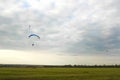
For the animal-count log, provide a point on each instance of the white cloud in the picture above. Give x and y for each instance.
(62, 24)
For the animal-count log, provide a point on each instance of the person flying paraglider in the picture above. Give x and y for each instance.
(33, 44)
(35, 36)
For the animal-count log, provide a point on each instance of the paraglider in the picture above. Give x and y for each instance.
(33, 36)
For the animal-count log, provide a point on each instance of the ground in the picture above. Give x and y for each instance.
(59, 73)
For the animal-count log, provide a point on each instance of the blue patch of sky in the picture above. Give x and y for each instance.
(53, 5)
(26, 5)
(17, 0)
(71, 16)
(38, 0)
(40, 15)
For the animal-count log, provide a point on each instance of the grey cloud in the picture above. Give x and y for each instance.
(95, 41)
(114, 38)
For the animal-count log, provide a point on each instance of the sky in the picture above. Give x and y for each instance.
(71, 32)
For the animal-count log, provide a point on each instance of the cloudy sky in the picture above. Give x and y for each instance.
(71, 31)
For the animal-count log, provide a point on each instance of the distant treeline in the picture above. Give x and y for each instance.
(60, 66)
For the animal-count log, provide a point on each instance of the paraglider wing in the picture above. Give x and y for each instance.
(34, 35)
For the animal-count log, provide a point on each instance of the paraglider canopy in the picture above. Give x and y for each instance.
(34, 35)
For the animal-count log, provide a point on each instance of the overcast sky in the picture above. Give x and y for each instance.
(71, 31)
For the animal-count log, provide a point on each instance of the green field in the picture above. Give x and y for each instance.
(59, 73)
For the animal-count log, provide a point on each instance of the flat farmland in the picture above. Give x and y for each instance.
(59, 73)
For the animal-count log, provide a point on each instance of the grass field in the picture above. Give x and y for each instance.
(59, 73)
